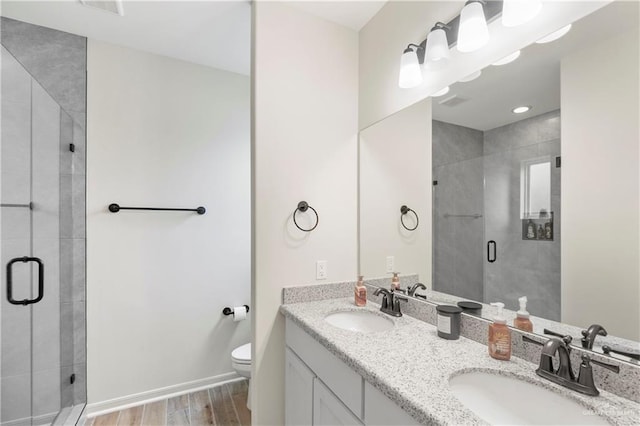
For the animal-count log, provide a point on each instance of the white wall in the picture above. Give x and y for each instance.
(399, 23)
(163, 132)
(600, 184)
(393, 157)
(305, 100)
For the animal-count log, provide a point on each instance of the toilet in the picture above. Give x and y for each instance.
(241, 363)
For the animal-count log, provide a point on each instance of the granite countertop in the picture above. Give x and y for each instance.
(411, 365)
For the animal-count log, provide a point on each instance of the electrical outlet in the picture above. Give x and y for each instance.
(321, 270)
(391, 264)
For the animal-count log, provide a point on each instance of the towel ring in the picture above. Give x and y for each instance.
(303, 206)
(404, 210)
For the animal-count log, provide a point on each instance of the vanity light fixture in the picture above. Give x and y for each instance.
(471, 77)
(410, 72)
(437, 50)
(518, 12)
(473, 32)
(441, 92)
(508, 59)
(554, 35)
(521, 109)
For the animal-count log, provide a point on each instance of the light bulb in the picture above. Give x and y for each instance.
(517, 12)
(473, 33)
(437, 50)
(410, 73)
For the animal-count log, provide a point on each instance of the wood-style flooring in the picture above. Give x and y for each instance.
(221, 406)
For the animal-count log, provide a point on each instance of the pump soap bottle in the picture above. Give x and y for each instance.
(360, 292)
(395, 282)
(499, 336)
(522, 321)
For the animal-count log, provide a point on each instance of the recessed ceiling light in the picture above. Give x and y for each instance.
(471, 76)
(441, 92)
(554, 35)
(521, 109)
(507, 59)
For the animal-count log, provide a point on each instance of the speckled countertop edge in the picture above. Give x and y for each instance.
(412, 366)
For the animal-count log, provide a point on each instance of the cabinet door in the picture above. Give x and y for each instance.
(298, 403)
(328, 410)
(380, 410)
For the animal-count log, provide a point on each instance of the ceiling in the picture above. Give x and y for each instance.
(352, 14)
(532, 79)
(212, 33)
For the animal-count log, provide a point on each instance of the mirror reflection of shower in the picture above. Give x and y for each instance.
(496, 200)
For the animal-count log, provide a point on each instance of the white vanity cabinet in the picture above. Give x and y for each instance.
(320, 389)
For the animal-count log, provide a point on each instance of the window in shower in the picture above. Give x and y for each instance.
(535, 188)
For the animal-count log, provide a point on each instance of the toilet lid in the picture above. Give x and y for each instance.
(242, 353)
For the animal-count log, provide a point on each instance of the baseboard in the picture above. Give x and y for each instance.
(124, 402)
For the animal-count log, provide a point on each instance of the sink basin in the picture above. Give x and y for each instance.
(500, 400)
(364, 321)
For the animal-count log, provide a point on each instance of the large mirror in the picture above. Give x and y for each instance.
(519, 202)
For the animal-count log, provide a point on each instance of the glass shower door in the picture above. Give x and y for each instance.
(35, 353)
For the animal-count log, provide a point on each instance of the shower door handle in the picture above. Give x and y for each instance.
(25, 259)
(490, 258)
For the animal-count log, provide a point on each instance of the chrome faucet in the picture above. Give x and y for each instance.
(563, 375)
(589, 335)
(411, 291)
(390, 301)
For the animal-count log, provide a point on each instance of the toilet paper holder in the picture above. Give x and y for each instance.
(229, 311)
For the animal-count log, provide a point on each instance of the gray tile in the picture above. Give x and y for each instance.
(66, 335)
(79, 156)
(56, 59)
(16, 116)
(16, 397)
(16, 340)
(80, 385)
(45, 172)
(79, 333)
(66, 388)
(66, 207)
(66, 270)
(46, 392)
(78, 206)
(79, 269)
(452, 143)
(66, 138)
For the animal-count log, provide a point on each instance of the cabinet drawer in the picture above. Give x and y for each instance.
(342, 380)
(327, 408)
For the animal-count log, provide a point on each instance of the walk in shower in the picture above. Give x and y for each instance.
(42, 181)
(496, 212)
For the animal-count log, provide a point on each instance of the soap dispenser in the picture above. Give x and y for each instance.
(395, 282)
(522, 321)
(360, 292)
(499, 335)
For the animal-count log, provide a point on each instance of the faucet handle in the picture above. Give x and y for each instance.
(606, 349)
(610, 367)
(396, 303)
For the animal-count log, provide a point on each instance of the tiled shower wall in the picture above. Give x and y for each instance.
(458, 242)
(479, 173)
(43, 112)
